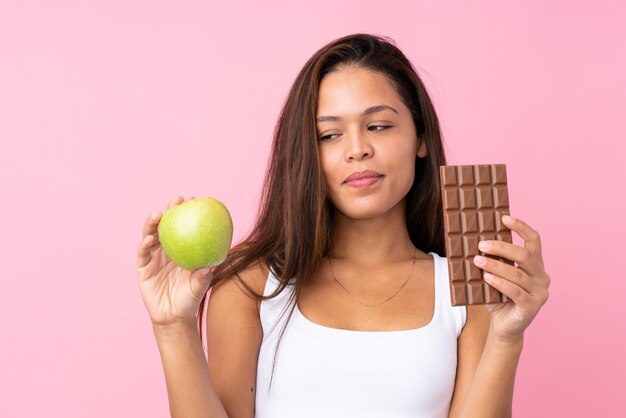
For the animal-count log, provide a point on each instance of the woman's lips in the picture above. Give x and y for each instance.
(365, 182)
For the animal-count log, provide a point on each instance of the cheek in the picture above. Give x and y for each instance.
(330, 168)
(405, 176)
(405, 173)
(332, 173)
(329, 177)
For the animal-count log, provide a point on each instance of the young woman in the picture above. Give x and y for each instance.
(337, 304)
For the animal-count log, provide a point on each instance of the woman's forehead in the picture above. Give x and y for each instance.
(351, 93)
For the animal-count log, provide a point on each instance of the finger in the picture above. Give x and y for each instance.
(521, 255)
(150, 226)
(514, 292)
(175, 201)
(529, 235)
(201, 277)
(508, 272)
(145, 249)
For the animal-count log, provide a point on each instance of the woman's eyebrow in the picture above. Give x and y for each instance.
(368, 111)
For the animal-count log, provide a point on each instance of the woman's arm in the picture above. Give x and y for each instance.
(225, 385)
(169, 294)
(491, 390)
(486, 368)
(190, 390)
(526, 284)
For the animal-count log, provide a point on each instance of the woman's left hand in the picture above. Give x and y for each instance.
(526, 284)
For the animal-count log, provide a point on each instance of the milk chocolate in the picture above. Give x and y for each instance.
(474, 199)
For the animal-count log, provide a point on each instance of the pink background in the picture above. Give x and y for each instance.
(109, 109)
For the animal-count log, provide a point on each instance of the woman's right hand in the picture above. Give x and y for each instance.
(171, 294)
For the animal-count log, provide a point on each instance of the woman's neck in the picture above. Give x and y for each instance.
(374, 242)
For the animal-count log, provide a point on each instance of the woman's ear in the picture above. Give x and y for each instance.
(421, 148)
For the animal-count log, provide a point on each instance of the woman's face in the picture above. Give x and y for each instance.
(355, 139)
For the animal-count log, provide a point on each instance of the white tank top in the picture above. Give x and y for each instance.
(325, 372)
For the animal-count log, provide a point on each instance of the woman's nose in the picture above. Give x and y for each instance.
(358, 146)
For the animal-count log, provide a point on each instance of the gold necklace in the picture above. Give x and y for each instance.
(365, 304)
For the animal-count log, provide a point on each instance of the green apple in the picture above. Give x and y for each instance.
(196, 233)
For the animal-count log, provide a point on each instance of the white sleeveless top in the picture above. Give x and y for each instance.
(325, 372)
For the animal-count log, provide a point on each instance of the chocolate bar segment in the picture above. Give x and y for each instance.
(475, 197)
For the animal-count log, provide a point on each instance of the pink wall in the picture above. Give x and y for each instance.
(108, 109)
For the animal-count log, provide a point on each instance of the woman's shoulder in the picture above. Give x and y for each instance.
(255, 274)
(250, 281)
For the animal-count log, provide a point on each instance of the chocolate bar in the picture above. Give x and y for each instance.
(474, 199)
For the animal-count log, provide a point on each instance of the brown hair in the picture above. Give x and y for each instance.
(293, 227)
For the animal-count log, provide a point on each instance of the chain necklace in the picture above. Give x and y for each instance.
(365, 304)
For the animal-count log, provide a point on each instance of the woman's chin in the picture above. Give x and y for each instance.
(363, 213)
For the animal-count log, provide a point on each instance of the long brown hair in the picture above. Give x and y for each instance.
(293, 227)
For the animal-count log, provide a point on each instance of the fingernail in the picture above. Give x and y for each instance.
(480, 260)
(484, 245)
(508, 219)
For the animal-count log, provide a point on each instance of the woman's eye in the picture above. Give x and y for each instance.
(380, 126)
